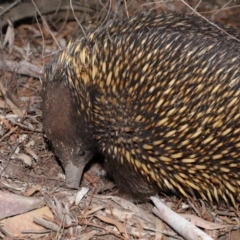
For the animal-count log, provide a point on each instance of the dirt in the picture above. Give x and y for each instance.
(26, 156)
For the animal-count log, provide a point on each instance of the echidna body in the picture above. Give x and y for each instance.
(158, 96)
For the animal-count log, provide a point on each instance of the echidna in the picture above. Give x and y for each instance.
(158, 96)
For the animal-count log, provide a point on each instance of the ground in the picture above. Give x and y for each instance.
(28, 166)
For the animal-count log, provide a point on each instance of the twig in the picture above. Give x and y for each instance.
(22, 67)
(46, 224)
(213, 24)
(15, 109)
(178, 223)
(32, 231)
(25, 127)
(87, 207)
(9, 7)
(8, 160)
(8, 134)
(101, 227)
(223, 7)
(164, 232)
(46, 24)
(80, 25)
(5, 232)
(126, 8)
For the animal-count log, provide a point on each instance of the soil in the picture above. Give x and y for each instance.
(26, 156)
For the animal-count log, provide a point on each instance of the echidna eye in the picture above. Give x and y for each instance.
(82, 153)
